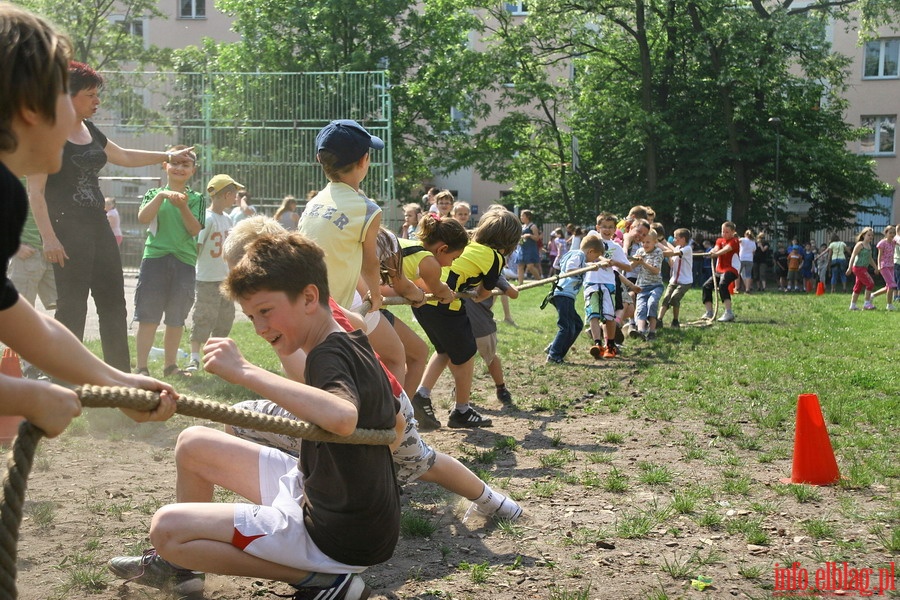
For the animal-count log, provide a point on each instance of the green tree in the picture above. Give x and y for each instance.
(103, 31)
(669, 105)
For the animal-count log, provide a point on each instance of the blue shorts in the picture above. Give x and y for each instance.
(165, 285)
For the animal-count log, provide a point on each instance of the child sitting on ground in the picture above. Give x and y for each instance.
(313, 523)
(213, 311)
(568, 321)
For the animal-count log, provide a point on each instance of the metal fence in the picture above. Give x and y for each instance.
(260, 128)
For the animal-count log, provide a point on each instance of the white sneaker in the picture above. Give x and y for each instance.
(889, 307)
(727, 317)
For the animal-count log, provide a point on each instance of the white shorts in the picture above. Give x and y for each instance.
(275, 531)
(372, 319)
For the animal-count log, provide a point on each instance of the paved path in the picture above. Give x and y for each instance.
(92, 326)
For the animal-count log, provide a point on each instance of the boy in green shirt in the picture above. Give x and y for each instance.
(174, 214)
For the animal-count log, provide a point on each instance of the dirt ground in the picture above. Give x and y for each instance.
(94, 490)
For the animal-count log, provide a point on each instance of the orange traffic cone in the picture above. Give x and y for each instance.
(820, 289)
(11, 367)
(814, 461)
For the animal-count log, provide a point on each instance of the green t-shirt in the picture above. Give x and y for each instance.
(167, 233)
(30, 234)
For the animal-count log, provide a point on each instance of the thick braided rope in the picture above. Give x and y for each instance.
(119, 397)
(18, 466)
(21, 457)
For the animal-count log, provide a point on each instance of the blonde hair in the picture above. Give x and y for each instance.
(244, 233)
(286, 206)
(863, 233)
(500, 230)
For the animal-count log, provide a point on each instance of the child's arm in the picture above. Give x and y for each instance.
(430, 272)
(645, 265)
(129, 157)
(48, 345)
(371, 266)
(329, 411)
(47, 406)
(853, 254)
(626, 283)
(53, 249)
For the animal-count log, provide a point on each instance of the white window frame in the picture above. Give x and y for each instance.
(881, 56)
(119, 20)
(877, 125)
(517, 8)
(193, 15)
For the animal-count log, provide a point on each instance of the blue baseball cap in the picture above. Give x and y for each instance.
(348, 140)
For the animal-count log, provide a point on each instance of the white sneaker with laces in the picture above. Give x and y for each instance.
(727, 317)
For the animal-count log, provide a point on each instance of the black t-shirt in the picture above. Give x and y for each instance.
(75, 186)
(13, 210)
(352, 500)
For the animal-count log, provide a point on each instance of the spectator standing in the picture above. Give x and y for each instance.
(286, 215)
(762, 262)
(213, 311)
(838, 262)
(748, 247)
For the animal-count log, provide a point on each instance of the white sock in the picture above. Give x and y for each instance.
(489, 500)
(424, 391)
(195, 356)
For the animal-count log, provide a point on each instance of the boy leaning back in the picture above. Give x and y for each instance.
(213, 311)
(568, 321)
(313, 523)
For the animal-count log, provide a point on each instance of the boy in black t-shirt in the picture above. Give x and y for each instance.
(35, 120)
(313, 524)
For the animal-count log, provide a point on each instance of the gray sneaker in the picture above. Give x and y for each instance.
(727, 317)
(193, 366)
(154, 571)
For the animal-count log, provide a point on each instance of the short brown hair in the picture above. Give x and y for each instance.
(500, 230)
(34, 68)
(605, 216)
(329, 161)
(593, 242)
(280, 262)
(682, 233)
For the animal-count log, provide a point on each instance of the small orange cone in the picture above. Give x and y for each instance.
(820, 289)
(11, 367)
(814, 461)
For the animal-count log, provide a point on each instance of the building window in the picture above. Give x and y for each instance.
(516, 8)
(191, 9)
(882, 59)
(134, 27)
(882, 140)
